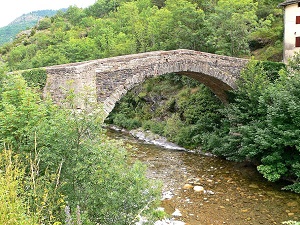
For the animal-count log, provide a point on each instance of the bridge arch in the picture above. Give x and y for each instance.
(112, 78)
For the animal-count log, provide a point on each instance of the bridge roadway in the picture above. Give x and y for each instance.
(107, 80)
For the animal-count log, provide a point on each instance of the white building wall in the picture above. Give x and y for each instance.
(291, 30)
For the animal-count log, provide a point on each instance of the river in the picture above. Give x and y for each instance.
(234, 193)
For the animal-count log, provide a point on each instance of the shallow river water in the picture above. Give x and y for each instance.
(233, 193)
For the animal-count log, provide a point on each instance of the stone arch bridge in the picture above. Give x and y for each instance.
(109, 79)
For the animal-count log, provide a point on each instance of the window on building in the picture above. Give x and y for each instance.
(297, 19)
(297, 42)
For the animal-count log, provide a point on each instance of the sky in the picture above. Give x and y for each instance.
(12, 9)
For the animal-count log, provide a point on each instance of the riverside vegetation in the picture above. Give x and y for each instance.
(57, 165)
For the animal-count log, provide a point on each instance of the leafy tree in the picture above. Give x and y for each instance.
(231, 139)
(206, 5)
(49, 56)
(74, 15)
(128, 19)
(77, 50)
(20, 115)
(160, 29)
(267, 7)
(124, 191)
(35, 78)
(102, 7)
(44, 24)
(16, 56)
(279, 138)
(187, 24)
(230, 26)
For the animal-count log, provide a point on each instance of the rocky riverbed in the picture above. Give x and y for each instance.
(205, 190)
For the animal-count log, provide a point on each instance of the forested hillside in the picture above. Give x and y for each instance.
(110, 28)
(26, 21)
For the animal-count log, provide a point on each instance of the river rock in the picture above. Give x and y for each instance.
(155, 139)
(142, 220)
(178, 223)
(168, 222)
(199, 189)
(160, 209)
(210, 192)
(292, 204)
(187, 186)
(193, 180)
(167, 195)
(254, 186)
(177, 213)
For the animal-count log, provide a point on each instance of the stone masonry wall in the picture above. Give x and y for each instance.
(109, 79)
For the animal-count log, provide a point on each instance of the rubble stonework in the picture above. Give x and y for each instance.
(109, 79)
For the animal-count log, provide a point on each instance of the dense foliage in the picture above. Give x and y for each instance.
(117, 27)
(35, 77)
(262, 125)
(59, 165)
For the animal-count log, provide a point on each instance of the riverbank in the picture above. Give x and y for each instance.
(149, 137)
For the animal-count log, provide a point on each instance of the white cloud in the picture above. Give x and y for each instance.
(11, 9)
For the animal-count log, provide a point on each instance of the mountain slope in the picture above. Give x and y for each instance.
(23, 22)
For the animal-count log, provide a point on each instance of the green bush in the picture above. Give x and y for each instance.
(124, 189)
(125, 122)
(35, 78)
(156, 127)
(44, 24)
(186, 137)
(272, 69)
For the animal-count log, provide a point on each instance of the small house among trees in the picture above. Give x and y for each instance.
(291, 28)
